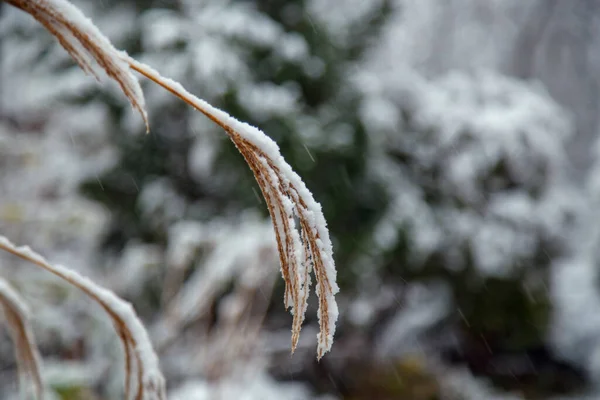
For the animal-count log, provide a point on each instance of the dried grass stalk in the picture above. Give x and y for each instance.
(85, 43)
(27, 355)
(143, 379)
(302, 248)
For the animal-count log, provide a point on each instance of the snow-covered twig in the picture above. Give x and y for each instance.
(143, 378)
(27, 355)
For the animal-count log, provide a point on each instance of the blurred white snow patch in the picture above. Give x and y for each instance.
(137, 265)
(293, 47)
(380, 114)
(215, 61)
(34, 164)
(340, 136)
(400, 84)
(162, 28)
(514, 206)
(495, 243)
(258, 386)
(409, 213)
(202, 156)
(311, 131)
(593, 180)
(279, 342)
(40, 176)
(215, 58)
(459, 383)
(425, 305)
(72, 373)
(117, 22)
(184, 237)
(343, 23)
(314, 67)
(221, 252)
(231, 251)
(160, 200)
(361, 311)
(38, 90)
(266, 100)
(85, 124)
(575, 329)
(239, 21)
(486, 118)
(487, 149)
(456, 35)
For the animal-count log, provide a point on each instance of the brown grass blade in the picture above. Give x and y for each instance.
(86, 44)
(143, 379)
(302, 248)
(27, 355)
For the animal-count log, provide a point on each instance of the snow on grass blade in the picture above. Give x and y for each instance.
(143, 378)
(303, 247)
(16, 315)
(85, 43)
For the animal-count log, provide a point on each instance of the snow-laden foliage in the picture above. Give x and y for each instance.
(576, 294)
(474, 164)
(259, 387)
(475, 175)
(462, 35)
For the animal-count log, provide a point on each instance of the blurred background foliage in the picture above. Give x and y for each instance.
(444, 172)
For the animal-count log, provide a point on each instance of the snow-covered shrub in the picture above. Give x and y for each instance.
(474, 167)
(477, 171)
